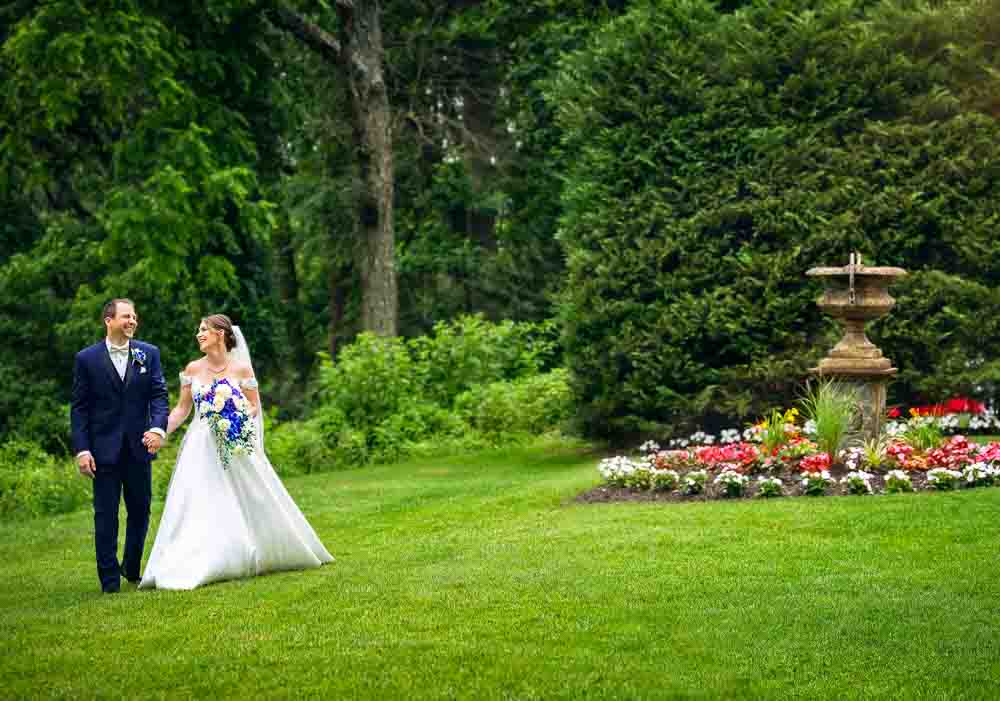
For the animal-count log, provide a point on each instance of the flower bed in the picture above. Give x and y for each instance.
(778, 457)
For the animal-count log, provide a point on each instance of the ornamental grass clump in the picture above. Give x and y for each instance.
(922, 432)
(897, 481)
(875, 452)
(833, 407)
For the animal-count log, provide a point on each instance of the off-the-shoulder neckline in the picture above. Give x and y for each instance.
(233, 380)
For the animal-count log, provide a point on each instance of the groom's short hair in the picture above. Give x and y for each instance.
(111, 308)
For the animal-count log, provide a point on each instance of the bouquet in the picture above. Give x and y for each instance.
(227, 412)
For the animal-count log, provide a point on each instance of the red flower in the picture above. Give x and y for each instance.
(893, 413)
(815, 463)
(963, 405)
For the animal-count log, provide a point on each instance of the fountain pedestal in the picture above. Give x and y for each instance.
(854, 295)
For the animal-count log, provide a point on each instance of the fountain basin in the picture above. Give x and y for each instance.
(855, 295)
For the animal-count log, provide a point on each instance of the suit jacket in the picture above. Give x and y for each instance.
(107, 414)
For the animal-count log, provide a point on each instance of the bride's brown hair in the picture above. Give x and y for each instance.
(224, 324)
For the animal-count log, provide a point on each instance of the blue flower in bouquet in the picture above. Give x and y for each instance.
(227, 412)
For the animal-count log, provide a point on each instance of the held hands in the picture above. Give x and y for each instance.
(85, 461)
(152, 441)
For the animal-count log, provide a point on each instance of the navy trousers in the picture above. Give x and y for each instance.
(134, 478)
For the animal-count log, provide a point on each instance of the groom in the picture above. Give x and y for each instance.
(119, 419)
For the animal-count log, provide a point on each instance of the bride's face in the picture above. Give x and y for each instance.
(208, 338)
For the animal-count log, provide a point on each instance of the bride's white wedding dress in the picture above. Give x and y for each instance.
(225, 523)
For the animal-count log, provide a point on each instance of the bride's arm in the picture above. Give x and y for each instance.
(180, 412)
(248, 385)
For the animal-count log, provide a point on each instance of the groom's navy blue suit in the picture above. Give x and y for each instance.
(109, 417)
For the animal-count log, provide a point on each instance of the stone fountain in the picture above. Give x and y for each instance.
(855, 295)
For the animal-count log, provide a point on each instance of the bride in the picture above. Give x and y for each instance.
(224, 522)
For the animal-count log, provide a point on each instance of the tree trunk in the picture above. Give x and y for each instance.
(361, 39)
(359, 52)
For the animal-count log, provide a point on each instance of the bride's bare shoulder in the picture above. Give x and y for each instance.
(242, 370)
(192, 368)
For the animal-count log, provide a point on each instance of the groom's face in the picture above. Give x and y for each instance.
(124, 321)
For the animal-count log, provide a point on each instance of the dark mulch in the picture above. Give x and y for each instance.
(792, 488)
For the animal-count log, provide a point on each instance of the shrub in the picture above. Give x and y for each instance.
(471, 383)
(471, 351)
(297, 447)
(717, 155)
(528, 406)
(372, 379)
(33, 483)
(163, 466)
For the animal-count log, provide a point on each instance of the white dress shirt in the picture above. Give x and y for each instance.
(119, 356)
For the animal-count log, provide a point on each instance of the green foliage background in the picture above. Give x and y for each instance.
(718, 156)
(648, 180)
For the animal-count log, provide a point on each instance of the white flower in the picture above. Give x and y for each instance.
(897, 475)
(941, 474)
(650, 447)
(219, 403)
(730, 435)
(224, 391)
(619, 467)
(224, 425)
(731, 477)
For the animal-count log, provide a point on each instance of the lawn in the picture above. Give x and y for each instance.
(481, 577)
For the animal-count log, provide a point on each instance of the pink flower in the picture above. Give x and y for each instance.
(818, 462)
(989, 453)
(956, 453)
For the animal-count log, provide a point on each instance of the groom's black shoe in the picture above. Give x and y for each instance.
(129, 579)
(111, 589)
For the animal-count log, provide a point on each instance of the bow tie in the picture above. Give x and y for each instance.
(118, 350)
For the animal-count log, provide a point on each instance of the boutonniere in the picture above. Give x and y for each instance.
(139, 355)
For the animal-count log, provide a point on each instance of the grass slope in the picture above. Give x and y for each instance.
(479, 577)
